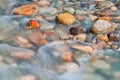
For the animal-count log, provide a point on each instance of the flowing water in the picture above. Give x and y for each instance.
(47, 64)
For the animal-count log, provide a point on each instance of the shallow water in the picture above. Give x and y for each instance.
(46, 62)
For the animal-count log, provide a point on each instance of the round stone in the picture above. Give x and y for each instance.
(103, 26)
(65, 18)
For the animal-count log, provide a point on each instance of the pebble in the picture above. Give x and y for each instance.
(65, 53)
(99, 45)
(86, 48)
(76, 30)
(43, 3)
(21, 41)
(69, 9)
(24, 55)
(69, 67)
(113, 8)
(37, 38)
(26, 10)
(99, 64)
(104, 4)
(81, 37)
(80, 12)
(114, 36)
(103, 26)
(46, 25)
(80, 18)
(114, 46)
(32, 24)
(102, 37)
(65, 19)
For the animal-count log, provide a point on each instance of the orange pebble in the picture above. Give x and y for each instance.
(33, 24)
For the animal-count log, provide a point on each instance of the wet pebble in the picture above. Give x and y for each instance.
(43, 3)
(85, 48)
(26, 10)
(65, 18)
(23, 55)
(103, 26)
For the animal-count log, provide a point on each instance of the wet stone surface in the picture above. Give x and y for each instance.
(59, 40)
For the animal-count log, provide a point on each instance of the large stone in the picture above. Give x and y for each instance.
(26, 10)
(103, 26)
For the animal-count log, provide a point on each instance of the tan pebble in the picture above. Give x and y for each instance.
(113, 8)
(81, 37)
(92, 17)
(88, 49)
(102, 37)
(43, 3)
(65, 18)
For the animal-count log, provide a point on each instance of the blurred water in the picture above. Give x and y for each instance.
(46, 64)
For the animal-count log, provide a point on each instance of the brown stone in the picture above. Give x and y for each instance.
(65, 18)
(114, 36)
(76, 30)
